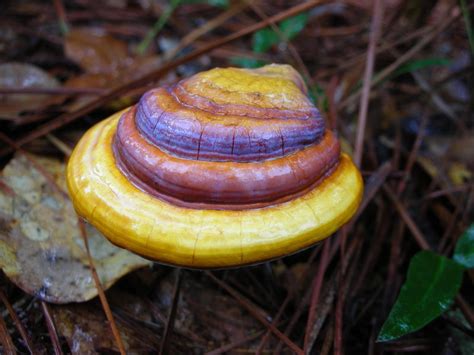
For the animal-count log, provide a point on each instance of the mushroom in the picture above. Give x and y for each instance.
(225, 168)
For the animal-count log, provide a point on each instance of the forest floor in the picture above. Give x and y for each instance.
(394, 78)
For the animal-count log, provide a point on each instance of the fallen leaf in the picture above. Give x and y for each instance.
(205, 310)
(453, 155)
(461, 149)
(459, 174)
(206, 317)
(106, 64)
(21, 75)
(95, 51)
(41, 247)
(463, 341)
(12, 43)
(83, 327)
(464, 251)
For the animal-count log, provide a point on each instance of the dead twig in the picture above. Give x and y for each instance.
(18, 324)
(382, 75)
(5, 339)
(251, 309)
(376, 29)
(102, 297)
(53, 334)
(172, 314)
(155, 75)
(423, 244)
(51, 91)
(316, 291)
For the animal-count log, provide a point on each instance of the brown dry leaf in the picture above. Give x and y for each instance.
(206, 318)
(204, 310)
(136, 68)
(105, 59)
(106, 62)
(21, 75)
(453, 156)
(462, 148)
(12, 43)
(89, 81)
(459, 174)
(84, 327)
(41, 248)
(95, 51)
(86, 80)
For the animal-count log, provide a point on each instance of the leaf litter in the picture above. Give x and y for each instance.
(40, 242)
(24, 76)
(433, 200)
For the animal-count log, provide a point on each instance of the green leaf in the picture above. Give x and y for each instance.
(464, 251)
(159, 24)
(432, 283)
(462, 340)
(420, 64)
(318, 97)
(245, 62)
(290, 27)
(264, 39)
(217, 3)
(166, 14)
(467, 21)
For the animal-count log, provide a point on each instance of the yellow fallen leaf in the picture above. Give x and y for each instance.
(459, 173)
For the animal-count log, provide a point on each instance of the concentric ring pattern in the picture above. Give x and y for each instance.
(210, 141)
(228, 167)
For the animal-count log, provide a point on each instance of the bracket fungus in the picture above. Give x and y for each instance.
(226, 168)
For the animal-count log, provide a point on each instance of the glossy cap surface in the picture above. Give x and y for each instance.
(139, 178)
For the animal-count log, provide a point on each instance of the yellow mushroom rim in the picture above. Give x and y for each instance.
(201, 238)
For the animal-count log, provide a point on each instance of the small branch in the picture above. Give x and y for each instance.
(276, 319)
(102, 297)
(413, 153)
(202, 30)
(469, 28)
(51, 91)
(419, 237)
(238, 342)
(314, 302)
(155, 75)
(403, 58)
(19, 326)
(172, 314)
(53, 334)
(244, 303)
(376, 27)
(5, 339)
(61, 11)
(159, 24)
